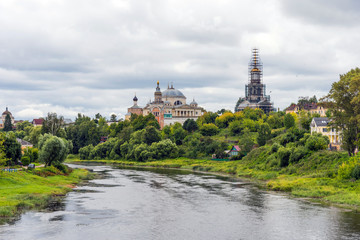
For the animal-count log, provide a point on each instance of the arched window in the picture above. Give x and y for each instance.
(177, 103)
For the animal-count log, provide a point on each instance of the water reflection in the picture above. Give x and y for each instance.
(169, 204)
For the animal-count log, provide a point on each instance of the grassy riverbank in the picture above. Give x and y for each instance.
(24, 190)
(315, 177)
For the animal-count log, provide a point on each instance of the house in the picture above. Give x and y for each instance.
(234, 151)
(320, 125)
(37, 122)
(309, 107)
(24, 144)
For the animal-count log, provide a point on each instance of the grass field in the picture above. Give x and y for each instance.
(23, 190)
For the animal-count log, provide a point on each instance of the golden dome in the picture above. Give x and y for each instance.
(255, 70)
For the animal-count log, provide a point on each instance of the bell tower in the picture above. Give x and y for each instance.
(158, 94)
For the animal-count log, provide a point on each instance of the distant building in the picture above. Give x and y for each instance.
(255, 90)
(24, 144)
(311, 108)
(234, 151)
(168, 107)
(37, 122)
(3, 116)
(320, 125)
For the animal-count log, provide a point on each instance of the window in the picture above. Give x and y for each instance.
(324, 130)
(176, 103)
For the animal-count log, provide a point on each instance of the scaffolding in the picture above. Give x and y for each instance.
(255, 68)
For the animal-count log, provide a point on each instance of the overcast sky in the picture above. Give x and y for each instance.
(91, 56)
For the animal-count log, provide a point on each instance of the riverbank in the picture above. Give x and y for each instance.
(25, 190)
(313, 184)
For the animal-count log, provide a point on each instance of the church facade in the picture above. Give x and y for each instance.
(255, 90)
(168, 107)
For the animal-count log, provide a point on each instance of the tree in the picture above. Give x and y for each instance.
(224, 120)
(190, 125)
(209, 129)
(289, 121)
(247, 141)
(235, 127)
(7, 124)
(151, 135)
(113, 118)
(264, 134)
(343, 103)
(12, 148)
(53, 150)
(52, 124)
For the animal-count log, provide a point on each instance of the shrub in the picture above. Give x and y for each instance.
(84, 152)
(284, 156)
(25, 160)
(297, 154)
(350, 169)
(275, 147)
(317, 142)
(209, 129)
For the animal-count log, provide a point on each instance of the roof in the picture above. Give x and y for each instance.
(68, 121)
(38, 121)
(321, 121)
(237, 148)
(172, 92)
(193, 102)
(23, 142)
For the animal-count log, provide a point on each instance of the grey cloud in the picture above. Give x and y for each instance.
(324, 12)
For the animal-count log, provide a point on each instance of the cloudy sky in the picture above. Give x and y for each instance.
(91, 56)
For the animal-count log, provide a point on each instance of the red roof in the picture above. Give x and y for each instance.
(38, 121)
(237, 148)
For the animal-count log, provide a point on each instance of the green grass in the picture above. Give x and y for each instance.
(314, 177)
(24, 190)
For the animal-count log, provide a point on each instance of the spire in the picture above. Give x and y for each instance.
(158, 87)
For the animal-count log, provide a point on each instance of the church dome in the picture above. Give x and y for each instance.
(173, 93)
(6, 112)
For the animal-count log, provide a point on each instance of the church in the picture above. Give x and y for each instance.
(168, 107)
(255, 90)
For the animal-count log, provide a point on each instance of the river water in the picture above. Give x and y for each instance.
(170, 204)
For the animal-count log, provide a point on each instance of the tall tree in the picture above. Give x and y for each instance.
(113, 118)
(8, 125)
(52, 124)
(343, 101)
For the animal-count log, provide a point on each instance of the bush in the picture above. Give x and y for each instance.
(297, 154)
(317, 142)
(84, 152)
(275, 147)
(209, 129)
(25, 160)
(284, 156)
(350, 169)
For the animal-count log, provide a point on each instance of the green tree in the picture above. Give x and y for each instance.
(12, 148)
(190, 125)
(264, 134)
(52, 124)
(209, 129)
(235, 127)
(53, 150)
(113, 118)
(7, 124)
(289, 121)
(343, 103)
(247, 141)
(151, 135)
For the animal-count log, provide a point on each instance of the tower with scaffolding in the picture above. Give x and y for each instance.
(255, 90)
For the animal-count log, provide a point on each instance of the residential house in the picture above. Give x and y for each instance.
(234, 151)
(37, 122)
(310, 107)
(320, 125)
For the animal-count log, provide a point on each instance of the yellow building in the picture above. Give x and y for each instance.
(320, 125)
(311, 108)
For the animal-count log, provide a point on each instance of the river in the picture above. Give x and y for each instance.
(171, 204)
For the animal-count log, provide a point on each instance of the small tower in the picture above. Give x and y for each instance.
(158, 94)
(135, 99)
